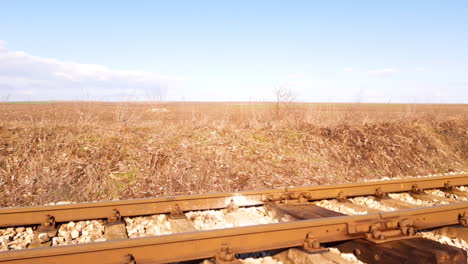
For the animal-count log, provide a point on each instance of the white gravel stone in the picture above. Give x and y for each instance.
(218, 219)
(15, 238)
(371, 203)
(61, 203)
(347, 256)
(79, 233)
(202, 220)
(440, 193)
(405, 197)
(75, 234)
(265, 260)
(143, 226)
(336, 206)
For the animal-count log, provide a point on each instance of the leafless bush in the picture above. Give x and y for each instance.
(284, 98)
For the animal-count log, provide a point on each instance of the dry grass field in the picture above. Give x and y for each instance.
(85, 151)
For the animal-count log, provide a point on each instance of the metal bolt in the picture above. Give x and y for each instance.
(232, 206)
(284, 198)
(341, 197)
(377, 234)
(357, 252)
(225, 253)
(304, 197)
(448, 186)
(176, 212)
(115, 217)
(49, 221)
(379, 193)
(415, 189)
(463, 219)
(315, 244)
(129, 259)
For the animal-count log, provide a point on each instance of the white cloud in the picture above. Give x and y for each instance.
(348, 69)
(2, 44)
(384, 72)
(24, 76)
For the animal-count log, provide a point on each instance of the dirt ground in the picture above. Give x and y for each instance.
(86, 151)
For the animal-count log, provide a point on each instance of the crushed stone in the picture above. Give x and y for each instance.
(336, 206)
(405, 197)
(14, 238)
(440, 193)
(143, 226)
(372, 203)
(218, 219)
(265, 260)
(79, 232)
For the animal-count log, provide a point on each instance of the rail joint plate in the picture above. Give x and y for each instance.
(384, 230)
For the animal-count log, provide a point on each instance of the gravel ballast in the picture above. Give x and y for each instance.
(336, 206)
(79, 233)
(144, 226)
(217, 219)
(371, 203)
(15, 238)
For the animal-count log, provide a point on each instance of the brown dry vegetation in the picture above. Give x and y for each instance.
(84, 151)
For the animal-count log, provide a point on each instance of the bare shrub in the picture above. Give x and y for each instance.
(284, 98)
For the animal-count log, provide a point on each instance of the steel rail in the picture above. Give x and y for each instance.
(137, 207)
(205, 244)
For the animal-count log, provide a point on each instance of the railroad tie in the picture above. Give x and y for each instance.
(457, 231)
(430, 197)
(410, 251)
(397, 204)
(44, 233)
(457, 192)
(308, 211)
(115, 227)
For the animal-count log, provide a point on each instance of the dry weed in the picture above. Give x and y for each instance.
(97, 151)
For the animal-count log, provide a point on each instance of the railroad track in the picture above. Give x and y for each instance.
(376, 221)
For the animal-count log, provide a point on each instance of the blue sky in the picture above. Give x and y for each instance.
(336, 51)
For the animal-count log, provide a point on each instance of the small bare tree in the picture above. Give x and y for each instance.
(284, 97)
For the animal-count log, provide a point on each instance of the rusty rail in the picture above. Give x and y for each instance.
(102, 210)
(206, 244)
